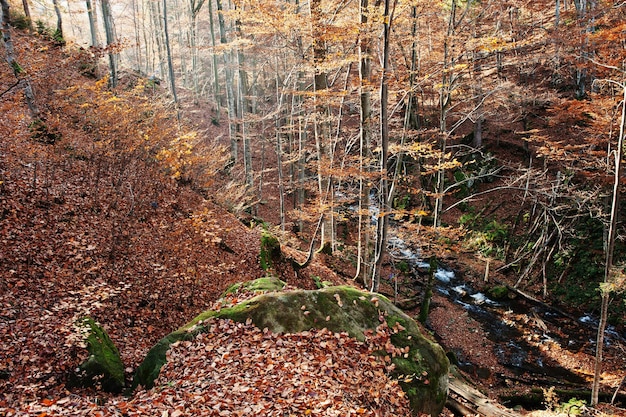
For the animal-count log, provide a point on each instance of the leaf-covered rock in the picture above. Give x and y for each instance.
(421, 366)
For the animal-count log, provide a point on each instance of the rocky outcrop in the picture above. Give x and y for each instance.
(422, 371)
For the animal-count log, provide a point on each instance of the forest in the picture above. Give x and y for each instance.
(460, 158)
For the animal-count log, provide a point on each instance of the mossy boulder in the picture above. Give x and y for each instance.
(422, 372)
(104, 366)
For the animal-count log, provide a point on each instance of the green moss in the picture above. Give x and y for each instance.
(201, 317)
(270, 250)
(149, 369)
(258, 285)
(104, 365)
(499, 292)
(17, 68)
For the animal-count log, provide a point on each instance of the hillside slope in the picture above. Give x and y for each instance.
(94, 220)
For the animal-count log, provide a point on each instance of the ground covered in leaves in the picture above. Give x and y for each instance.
(237, 369)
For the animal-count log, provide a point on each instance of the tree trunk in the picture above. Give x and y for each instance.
(610, 247)
(109, 30)
(170, 66)
(320, 128)
(383, 195)
(365, 134)
(138, 49)
(279, 147)
(58, 34)
(157, 30)
(93, 28)
(242, 107)
(195, 7)
(29, 20)
(230, 93)
(216, 80)
(5, 28)
(444, 103)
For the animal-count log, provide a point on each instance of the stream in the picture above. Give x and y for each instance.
(529, 338)
(522, 332)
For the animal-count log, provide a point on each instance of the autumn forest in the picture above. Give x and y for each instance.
(453, 168)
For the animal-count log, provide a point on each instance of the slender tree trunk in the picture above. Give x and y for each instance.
(610, 248)
(320, 124)
(29, 20)
(170, 66)
(242, 107)
(384, 203)
(109, 30)
(557, 13)
(18, 71)
(183, 41)
(230, 93)
(195, 7)
(279, 147)
(365, 134)
(93, 28)
(444, 103)
(157, 30)
(57, 10)
(138, 48)
(148, 41)
(216, 80)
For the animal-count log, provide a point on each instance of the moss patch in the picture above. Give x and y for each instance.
(149, 369)
(423, 372)
(258, 285)
(270, 250)
(104, 366)
(499, 292)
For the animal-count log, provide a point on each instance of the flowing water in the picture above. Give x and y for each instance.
(520, 329)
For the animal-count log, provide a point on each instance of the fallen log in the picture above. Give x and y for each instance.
(467, 400)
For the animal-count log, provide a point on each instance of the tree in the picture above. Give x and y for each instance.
(93, 28)
(170, 66)
(109, 30)
(607, 285)
(18, 71)
(365, 133)
(194, 10)
(29, 20)
(383, 194)
(58, 34)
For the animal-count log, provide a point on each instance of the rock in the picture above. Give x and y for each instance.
(104, 366)
(422, 373)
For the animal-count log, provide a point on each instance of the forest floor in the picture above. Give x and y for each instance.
(75, 241)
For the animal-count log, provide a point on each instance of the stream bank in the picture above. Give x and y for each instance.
(512, 347)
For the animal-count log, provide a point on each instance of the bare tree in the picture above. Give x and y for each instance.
(109, 30)
(170, 66)
(18, 71)
(610, 249)
(93, 28)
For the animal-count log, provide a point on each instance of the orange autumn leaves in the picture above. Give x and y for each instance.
(236, 369)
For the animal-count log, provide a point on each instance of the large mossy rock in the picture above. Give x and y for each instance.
(422, 373)
(104, 366)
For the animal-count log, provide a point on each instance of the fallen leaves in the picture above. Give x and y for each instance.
(239, 370)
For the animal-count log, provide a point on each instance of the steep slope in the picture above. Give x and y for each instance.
(94, 220)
